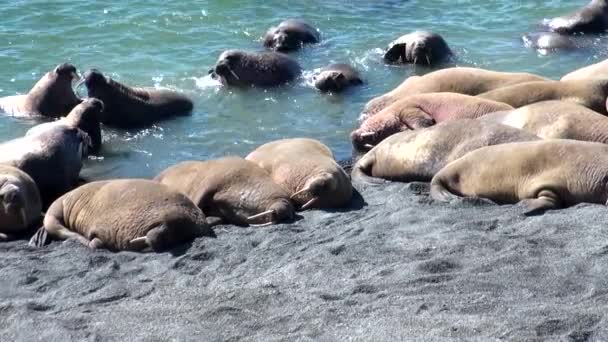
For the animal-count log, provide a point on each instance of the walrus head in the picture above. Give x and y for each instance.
(280, 211)
(53, 95)
(318, 192)
(88, 116)
(13, 203)
(375, 129)
(330, 81)
(419, 47)
(283, 42)
(224, 69)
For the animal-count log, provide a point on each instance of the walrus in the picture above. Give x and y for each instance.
(123, 214)
(337, 77)
(593, 18)
(590, 93)
(420, 111)
(131, 107)
(418, 47)
(418, 155)
(307, 169)
(86, 116)
(291, 35)
(20, 202)
(468, 81)
(544, 175)
(51, 96)
(546, 42)
(232, 189)
(597, 70)
(264, 69)
(556, 120)
(53, 158)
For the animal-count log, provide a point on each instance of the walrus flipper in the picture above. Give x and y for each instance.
(547, 200)
(440, 193)
(40, 239)
(359, 175)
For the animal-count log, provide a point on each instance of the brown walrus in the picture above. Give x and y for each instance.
(597, 70)
(124, 214)
(20, 202)
(419, 155)
(337, 77)
(51, 96)
(233, 189)
(468, 81)
(420, 111)
(546, 174)
(590, 93)
(86, 116)
(593, 18)
(291, 35)
(307, 169)
(556, 120)
(418, 47)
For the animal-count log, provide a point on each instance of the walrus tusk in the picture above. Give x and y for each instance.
(428, 60)
(260, 215)
(368, 145)
(415, 59)
(262, 225)
(79, 84)
(299, 192)
(367, 134)
(23, 216)
(234, 74)
(310, 203)
(139, 240)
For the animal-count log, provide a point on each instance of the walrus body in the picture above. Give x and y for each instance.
(420, 111)
(556, 120)
(234, 189)
(550, 41)
(20, 202)
(130, 107)
(51, 96)
(53, 158)
(125, 214)
(418, 47)
(419, 155)
(291, 35)
(85, 116)
(264, 69)
(337, 77)
(597, 70)
(546, 174)
(307, 169)
(467, 81)
(593, 18)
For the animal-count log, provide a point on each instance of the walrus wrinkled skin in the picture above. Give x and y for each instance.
(53, 158)
(263, 69)
(124, 214)
(418, 47)
(590, 93)
(593, 18)
(131, 107)
(233, 189)
(337, 77)
(419, 155)
(544, 175)
(420, 111)
(468, 81)
(549, 41)
(597, 70)
(291, 35)
(556, 120)
(51, 96)
(86, 116)
(20, 205)
(307, 170)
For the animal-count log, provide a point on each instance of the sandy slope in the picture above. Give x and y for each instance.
(401, 267)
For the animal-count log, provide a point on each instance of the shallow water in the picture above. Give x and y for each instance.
(173, 44)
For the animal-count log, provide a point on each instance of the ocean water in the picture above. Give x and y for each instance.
(174, 43)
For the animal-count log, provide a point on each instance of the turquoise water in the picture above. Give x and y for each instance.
(173, 44)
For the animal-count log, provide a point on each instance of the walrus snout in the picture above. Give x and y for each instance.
(13, 201)
(363, 141)
(67, 69)
(93, 77)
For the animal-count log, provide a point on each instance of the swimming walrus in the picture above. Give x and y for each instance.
(590, 93)
(420, 111)
(291, 35)
(20, 202)
(418, 155)
(545, 174)
(336, 78)
(265, 69)
(133, 107)
(86, 116)
(51, 96)
(597, 70)
(418, 47)
(468, 81)
(556, 120)
(123, 214)
(307, 169)
(592, 18)
(232, 189)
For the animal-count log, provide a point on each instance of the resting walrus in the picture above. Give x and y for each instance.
(546, 174)
(20, 205)
(131, 107)
(51, 96)
(232, 189)
(290, 35)
(419, 155)
(597, 70)
(468, 81)
(124, 214)
(307, 169)
(418, 47)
